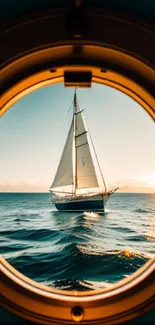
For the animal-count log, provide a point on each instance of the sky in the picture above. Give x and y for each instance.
(33, 132)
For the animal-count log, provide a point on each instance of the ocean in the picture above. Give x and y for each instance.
(77, 251)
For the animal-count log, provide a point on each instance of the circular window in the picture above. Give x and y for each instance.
(82, 235)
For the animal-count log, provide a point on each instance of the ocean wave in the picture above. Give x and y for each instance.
(111, 211)
(30, 234)
(72, 267)
(142, 211)
(91, 215)
(123, 229)
(76, 266)
(96, 250)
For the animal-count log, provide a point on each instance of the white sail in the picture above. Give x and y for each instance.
(64, 174)
(79, 184)
(85, 171)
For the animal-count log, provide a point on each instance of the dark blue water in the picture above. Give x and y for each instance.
(76, 251)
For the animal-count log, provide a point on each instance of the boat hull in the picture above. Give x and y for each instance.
(95, 203)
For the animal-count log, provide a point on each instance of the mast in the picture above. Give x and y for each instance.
(75, 150)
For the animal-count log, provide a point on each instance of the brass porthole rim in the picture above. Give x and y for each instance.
(119, 287)
(133, 295)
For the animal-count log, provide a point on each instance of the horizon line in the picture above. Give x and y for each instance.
(48, 192)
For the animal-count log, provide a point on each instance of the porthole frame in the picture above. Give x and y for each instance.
(125, 63)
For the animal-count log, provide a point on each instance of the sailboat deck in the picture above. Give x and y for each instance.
(75, 198)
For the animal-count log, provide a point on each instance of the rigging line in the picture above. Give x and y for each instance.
(71, 105)
(97, 161)
(67, 123)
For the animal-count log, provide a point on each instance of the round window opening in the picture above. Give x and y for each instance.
(77, 187)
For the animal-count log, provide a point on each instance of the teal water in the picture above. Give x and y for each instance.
(76, 251)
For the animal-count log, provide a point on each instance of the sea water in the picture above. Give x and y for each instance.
(81, 251)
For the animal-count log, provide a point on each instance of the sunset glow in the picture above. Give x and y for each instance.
(149, 180)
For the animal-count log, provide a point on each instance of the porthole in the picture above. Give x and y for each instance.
(122, 65)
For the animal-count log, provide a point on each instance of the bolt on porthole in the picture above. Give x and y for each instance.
(77, 313)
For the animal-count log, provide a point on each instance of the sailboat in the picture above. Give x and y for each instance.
(79, 184)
